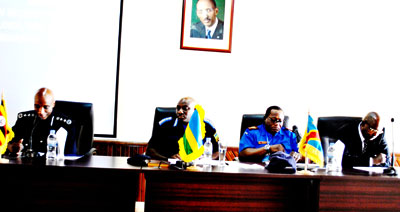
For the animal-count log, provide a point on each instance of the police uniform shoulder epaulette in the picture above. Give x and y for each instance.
(253, 128)
(26, 114)
(62, 119)
(208, 121)
(162, 121)
(286, 129)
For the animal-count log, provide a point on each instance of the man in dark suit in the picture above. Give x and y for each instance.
(209, 26)
(363, 141)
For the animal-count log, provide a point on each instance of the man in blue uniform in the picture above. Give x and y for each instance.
(32, 128)
(164, 144)
(258, 142)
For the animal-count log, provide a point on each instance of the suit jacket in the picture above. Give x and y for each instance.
(353, 155)
(198, 30)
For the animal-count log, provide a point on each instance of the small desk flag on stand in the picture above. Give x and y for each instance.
(6, 133)
(191, 144)
(310, 145)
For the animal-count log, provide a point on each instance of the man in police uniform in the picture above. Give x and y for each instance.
(258, 142)
(32, 128)
(164, 144)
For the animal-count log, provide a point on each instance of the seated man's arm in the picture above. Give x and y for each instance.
(250, 149)
(15, 146)
(382, 157)
(211, 132)
(294, 147)
(155, 155)
(260, 152)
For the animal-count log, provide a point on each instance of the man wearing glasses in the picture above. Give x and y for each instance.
(365, 144)
(258, 142)
(164, 144)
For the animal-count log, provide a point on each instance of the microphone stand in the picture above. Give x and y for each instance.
(391, 171)
(29, 153)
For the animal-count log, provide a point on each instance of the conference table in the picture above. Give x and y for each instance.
(249, 187)
(96, 183)
(105, 183)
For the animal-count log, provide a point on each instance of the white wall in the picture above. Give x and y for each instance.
(66, 45)
(330, 57)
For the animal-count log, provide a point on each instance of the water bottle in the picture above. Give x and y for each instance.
(331, 163)
(52, 145)
(208, 150)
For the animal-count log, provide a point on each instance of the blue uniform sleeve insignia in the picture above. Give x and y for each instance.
(216, 137)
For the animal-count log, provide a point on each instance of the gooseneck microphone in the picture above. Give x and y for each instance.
(391, 170)
(29, 153)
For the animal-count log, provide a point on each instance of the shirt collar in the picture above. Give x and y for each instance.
(360, 133)
(213, 27)
(265, 130)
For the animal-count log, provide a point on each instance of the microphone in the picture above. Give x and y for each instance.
(138, 160)
(391, 171)
(29, 153)
(296, 132)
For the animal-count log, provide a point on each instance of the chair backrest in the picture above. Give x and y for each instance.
(160, 113)
(82, 114)
(249, 120)
(328, 127)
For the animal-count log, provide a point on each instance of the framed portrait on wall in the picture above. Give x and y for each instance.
(207, 25)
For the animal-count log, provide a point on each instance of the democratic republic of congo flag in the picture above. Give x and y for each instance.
(6, 133)
(310, 144)
(191, 144)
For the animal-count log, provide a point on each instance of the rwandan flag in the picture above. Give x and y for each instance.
(191, 144)
(310, 144)
(6, 133)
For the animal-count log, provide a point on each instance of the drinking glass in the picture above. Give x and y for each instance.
(222, 152)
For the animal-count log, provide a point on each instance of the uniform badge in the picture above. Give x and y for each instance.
(262, 142)
(216, 137)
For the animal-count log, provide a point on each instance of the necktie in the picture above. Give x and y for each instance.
(208, 34)
(365, 146)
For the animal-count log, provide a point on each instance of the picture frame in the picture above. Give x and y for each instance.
(197, 21)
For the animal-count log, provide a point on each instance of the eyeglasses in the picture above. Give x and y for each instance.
(184, 108)
(373, 130)
(275, 120)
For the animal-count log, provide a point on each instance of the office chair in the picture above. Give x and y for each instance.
(161, 113)
(82, 115)
(328, 127)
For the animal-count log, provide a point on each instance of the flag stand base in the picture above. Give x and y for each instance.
(3, 160)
